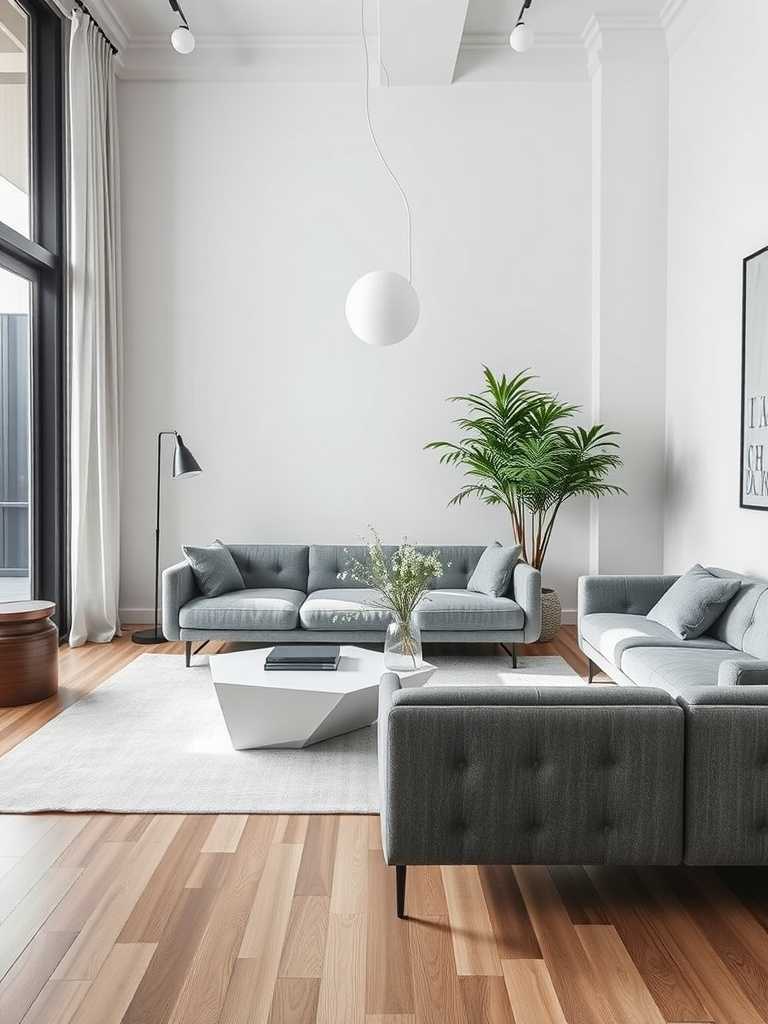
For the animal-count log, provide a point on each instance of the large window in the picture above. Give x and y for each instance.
(32, 266)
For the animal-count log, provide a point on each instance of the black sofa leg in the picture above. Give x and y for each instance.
(512, 653)
(591, 670)
(188, 652)
(400, 871)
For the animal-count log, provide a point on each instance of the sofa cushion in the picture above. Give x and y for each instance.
(466, 610)
(494, 570)
(674, 669)
(258, 608)
(353, 608)
(612, 634)
(214, 569)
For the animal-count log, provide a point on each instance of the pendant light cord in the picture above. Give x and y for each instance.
(376, 145)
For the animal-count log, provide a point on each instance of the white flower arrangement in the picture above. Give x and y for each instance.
(402, 582)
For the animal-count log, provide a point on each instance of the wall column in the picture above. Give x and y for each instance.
(628, 69)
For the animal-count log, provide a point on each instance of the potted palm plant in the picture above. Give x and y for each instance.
(520, 449)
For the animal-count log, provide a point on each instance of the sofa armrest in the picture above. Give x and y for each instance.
(526, 590)
(746, 672)
(627, 595)
(389, 685)
(179, 587)
(726, 784)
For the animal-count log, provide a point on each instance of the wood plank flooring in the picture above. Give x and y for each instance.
(289, 919)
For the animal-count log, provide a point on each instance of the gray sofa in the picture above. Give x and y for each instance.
(528, 775)
(669, 767)
(294, 594)
(721, 683)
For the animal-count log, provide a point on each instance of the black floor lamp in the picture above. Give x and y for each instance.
(184, 464)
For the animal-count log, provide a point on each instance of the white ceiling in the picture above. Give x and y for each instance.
(342, 17)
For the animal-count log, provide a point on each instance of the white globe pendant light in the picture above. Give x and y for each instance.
(182, 40)
(522, 38)
(382, 306)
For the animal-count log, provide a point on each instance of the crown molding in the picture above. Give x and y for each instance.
(680, 17)
(488, 57)
(252, 42)
(624, 37)
(470, 40)
(671, 11)
(336, 58)
(483, 57)
(620, 24)
(544, 40)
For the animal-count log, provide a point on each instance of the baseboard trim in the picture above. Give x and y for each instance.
(136, 616)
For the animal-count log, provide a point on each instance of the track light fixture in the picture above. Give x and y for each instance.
(522, 38)
(182, 39)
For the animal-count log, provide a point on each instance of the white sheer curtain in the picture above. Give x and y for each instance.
(95, 336)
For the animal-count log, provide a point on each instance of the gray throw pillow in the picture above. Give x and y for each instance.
(693, 602)
(215, 569)
(494, 570)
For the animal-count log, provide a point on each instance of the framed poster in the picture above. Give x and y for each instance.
(754, 383)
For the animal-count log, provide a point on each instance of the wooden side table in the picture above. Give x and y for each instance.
(29, 652)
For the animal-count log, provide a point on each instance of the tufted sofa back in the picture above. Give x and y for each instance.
(326, 561)
(744, 623)
(283, 566)
(516, 775)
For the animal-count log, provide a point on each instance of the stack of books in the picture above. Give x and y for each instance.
(303, 658)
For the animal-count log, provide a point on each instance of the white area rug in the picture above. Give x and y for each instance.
(152, 739)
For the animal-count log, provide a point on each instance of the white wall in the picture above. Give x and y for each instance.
(249, 210)
(718, 215)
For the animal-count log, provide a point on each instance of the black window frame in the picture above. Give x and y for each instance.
(42, 260)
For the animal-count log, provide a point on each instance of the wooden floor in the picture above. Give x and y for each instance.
(191, 919)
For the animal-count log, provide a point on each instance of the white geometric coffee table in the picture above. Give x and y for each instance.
(416, 676)
(295, 709)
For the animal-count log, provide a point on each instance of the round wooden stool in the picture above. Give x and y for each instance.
(29, 652)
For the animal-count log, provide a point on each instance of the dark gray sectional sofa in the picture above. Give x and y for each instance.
(720, 681)
(669, 767)
(294, 594)
(529, 775)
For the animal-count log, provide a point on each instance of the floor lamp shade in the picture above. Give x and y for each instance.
(184, 464)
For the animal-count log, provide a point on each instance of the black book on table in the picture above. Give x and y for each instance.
(304, 655)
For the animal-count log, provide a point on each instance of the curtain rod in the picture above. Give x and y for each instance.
(81, 5)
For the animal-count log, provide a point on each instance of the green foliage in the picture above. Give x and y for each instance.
(520, 449)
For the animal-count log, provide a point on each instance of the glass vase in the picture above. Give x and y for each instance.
(402, 646)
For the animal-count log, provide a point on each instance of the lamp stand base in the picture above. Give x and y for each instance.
(148, 636)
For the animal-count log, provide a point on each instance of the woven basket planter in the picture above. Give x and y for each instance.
(551, 615)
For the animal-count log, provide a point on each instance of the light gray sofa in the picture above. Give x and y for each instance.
(294, 594)
(721, 683)
(528, 775)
